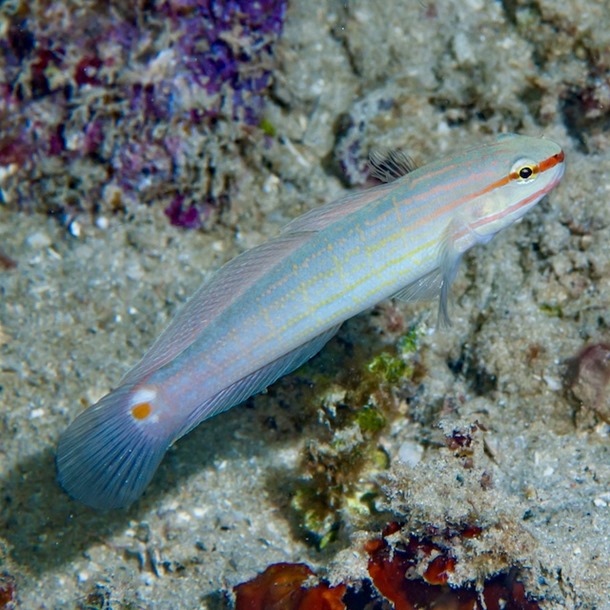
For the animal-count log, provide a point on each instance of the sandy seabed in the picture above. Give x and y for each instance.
(78, 310)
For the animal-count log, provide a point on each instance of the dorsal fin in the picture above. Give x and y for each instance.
(213, 297)
(390, 165)
(325, 215)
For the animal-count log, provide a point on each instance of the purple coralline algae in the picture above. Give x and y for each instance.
(105, 105)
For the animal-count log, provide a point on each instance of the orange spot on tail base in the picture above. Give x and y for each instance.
(142, 410)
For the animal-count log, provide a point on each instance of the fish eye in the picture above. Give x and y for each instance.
(524, 170)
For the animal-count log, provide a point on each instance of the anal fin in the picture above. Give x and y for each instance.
(258, 380)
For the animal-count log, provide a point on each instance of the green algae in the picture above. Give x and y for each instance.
(409, 342)
(267, 127)
(553, 311)
(338, 473)
(389, 367)
(370, 419)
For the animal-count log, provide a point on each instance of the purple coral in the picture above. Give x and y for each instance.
(225, 45)
(180, 215)
(588, 378)
(133, 96)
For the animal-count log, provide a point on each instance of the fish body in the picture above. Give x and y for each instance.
(272, 308)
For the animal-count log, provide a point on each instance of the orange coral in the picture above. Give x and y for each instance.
(280, 587)
(395, 572)
(8, 593)
(412, 575)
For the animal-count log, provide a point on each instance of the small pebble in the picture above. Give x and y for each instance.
(410, 453)
(75, 229)
(38, 240)
(102, 223)
(553, 383)
(36, 413)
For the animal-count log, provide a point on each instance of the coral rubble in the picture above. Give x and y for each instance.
(105, 105)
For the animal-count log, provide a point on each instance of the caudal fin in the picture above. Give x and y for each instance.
(106, 457)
